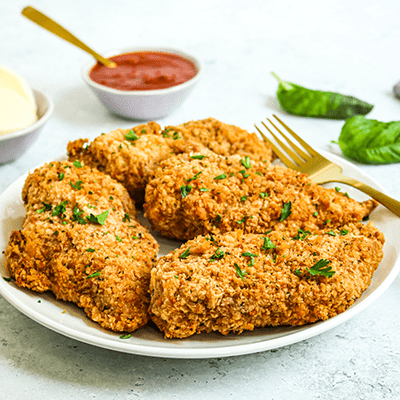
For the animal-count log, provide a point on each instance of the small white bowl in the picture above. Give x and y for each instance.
(143, 104)
(14, 144)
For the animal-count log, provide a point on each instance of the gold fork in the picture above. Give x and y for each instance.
(317, 167)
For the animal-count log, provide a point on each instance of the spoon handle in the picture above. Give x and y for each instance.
(52, 26)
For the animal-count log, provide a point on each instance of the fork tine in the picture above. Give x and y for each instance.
(302, 153)
(288, 150)
(278, 152)
(298, 138)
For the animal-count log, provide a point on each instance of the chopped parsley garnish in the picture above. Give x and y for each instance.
(243, 172)
(268, 244)
(47, 207)
(60, 209)
(125, 336)
(61, 176)
(77, 164)
(77, 186)
(331, 233)
(198, 157)
(165, 132)
(98, 219)
(246, 162)
(243, 220)
(185, 189)
(222, 176)
(248, 254)
(347, 195)
(90, 250)
(7, 279)
(243, 198)
(240, 272)
(97, 273)
(131, 136)
(176, 276)
(185, 253)
(111, 198)
(252, 257)
(301, 235)
(344, 232)
(315, 214)
(76, 215)
(218, 219)
(263, 195)
(204, 190)
(337, 189)
(118, 238)
(212, 239)
(217, 255)
(286, 211)
(320, 268)
(297, 272)
(126, 218)
(175, 136)
(259, 173)
(194, 177)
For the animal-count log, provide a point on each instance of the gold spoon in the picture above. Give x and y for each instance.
(52, 26)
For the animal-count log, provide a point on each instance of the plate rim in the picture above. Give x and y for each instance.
(233, 349)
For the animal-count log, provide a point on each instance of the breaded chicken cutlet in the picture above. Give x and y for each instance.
(235, 282)
(81, 241)
(198, 194)
(224, 139)
(131, 156)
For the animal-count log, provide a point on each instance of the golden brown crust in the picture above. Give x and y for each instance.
(134, 162)
(225, 139)
(223, 195)
(103, 268)
(203, 291)
(130, 162)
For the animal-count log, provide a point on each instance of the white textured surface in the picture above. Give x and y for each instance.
(351, 47)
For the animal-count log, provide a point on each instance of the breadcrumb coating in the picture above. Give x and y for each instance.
(132, 159)
(235, 281)
(189, 197)
(80, 240)
(225, 139)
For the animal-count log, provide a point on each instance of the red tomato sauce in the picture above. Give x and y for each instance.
(144, 70)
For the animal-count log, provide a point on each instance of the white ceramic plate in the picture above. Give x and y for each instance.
(69, 320)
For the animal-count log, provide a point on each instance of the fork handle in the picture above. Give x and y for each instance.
(390, 203)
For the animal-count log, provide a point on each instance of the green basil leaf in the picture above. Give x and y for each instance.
(299, 100)
(370, 141)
